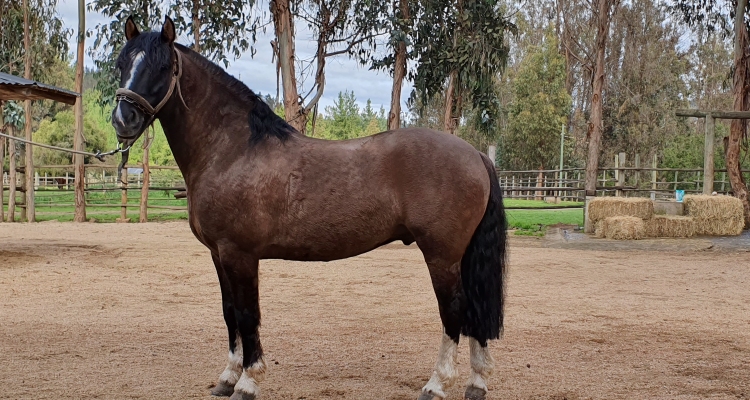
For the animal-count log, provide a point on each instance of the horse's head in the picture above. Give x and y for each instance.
(149, 70)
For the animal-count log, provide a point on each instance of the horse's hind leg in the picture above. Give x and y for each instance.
(482, 366)
(241, 271)
(446, 281)
(232, 372)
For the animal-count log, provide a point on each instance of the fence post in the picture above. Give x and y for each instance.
(653, 178)
(538, 194)
(708, 156)
(124, 196)
(621, 174)
(12, 177)
(144, 187)
(638, 171)
(723, 180)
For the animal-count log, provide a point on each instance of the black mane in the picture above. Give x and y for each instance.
(263, 121)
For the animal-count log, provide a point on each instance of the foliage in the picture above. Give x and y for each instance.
(448, 36)
(647, 85)
(60, 132)
(225, 28)
(48, 38)
(13, 115)
(686, 151)
(538, 111)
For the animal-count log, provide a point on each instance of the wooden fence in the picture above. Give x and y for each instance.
(54, 188)
(562, 185)
(568, 184)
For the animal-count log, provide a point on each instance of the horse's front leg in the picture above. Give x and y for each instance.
(241, 271)
(233, 370)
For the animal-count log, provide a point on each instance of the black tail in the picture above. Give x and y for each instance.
(483, 268)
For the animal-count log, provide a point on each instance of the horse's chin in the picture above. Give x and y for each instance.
(127, 141)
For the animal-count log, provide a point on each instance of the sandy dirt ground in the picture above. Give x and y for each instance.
(133, 311)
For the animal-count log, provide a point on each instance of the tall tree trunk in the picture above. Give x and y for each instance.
(596, 125)
(399, 72)
(738, 128)
(80, 198)
(29, 171)
(196, 26)
(449, 124)
(284, 28)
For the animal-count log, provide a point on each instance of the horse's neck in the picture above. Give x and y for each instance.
(193, 135)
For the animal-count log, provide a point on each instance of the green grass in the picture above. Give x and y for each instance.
(534, 222)
(47, 208)
(514, 203)
(530, 222)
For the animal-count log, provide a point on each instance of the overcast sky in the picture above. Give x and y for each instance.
(259, 73)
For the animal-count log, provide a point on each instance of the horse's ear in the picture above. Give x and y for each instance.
(131, 30)
(167, 30)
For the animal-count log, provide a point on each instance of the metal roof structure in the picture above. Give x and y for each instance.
(16, 88)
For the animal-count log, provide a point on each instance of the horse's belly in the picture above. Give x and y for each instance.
(326, 243)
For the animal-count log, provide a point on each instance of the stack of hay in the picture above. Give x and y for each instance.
(715, 215)
(633, 218)
(620, 217)
(673, 226)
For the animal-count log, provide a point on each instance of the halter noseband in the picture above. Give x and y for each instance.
(143, 105)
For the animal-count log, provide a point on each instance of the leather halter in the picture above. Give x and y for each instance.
(143, 105)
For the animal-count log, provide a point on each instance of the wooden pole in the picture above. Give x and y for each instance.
(708, 156)
(29, 172)
(653, 178)
(637, 173)
(144, 188)
(621, 174)
(124, 196)
(12, 177)
(80, 199)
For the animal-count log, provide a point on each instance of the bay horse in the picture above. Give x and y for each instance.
(258, 189)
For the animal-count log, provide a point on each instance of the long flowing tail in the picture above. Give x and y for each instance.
(483, 268)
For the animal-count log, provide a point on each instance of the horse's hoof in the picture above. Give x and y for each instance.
(474, 393)
(222, 389)
(242, 396)
(428, 396)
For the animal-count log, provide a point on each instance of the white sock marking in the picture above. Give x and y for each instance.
(445, 373)
(232, 372)
(250, 379)
(482, 365)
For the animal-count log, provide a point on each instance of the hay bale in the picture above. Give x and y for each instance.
(623, 228)
(601, 208)
(670, 226)
(599, 230)
(715, 215)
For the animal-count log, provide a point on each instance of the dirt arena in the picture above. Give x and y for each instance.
(133, 311)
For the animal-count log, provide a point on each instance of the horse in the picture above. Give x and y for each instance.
(258, 189)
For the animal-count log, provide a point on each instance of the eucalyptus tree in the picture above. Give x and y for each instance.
(348, 27)
(727, 17)
(461, 44)
(220, 30)
(48, 37)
